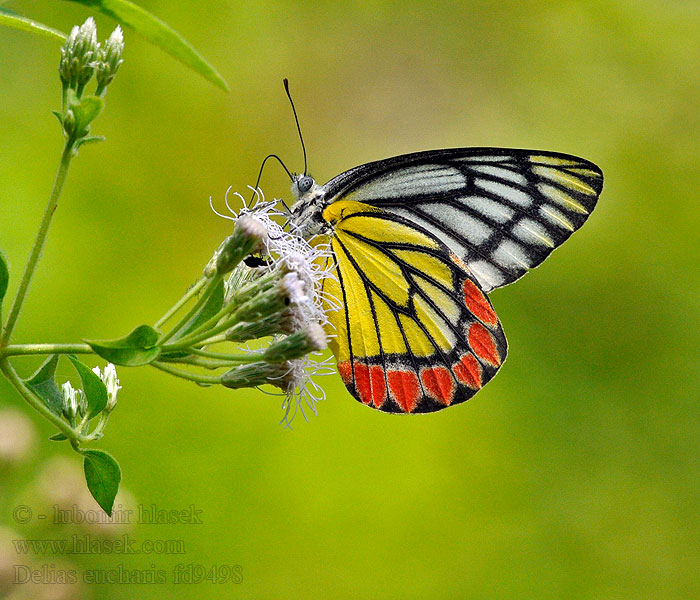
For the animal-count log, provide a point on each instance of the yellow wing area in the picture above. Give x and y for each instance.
(404, 339)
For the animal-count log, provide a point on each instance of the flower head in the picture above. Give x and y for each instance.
(280, 297)
(70, 401)
(111, 381)
(78, 55)
(110, 57)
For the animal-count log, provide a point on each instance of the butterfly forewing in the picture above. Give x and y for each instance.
(415, 332)
(501, 211)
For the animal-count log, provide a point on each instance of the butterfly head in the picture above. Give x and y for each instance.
(308, 207)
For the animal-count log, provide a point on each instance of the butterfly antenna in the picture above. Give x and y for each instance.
(262, 166)
(296, 118)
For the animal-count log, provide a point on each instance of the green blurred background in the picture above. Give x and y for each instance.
(574, 474)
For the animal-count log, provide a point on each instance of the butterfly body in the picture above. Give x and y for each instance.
(418, 240)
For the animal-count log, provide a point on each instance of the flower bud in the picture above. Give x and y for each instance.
(248, 236)
(272, 303)
(260, 328)
(70, 402)
(110, 57)
(254, 374)
(69, 123)
(111, 381)
(78, 55)
(298, 344)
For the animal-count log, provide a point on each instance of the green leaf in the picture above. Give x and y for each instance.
(85, 110)
(43, 384)
(158, 33)
(16, 21)
(95, 390)
(4, 276)
(102, 475)
(58, 437)
(136, 349)
(91, 139)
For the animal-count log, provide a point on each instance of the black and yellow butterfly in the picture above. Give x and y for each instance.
(418, 241)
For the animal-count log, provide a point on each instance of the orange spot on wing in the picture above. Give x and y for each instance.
(438, 383)
(468, 371)
(483, 344)
(404, 388)
(345, 372)
(476, 302)
(378, 383)
(370, 385)
(363, 386)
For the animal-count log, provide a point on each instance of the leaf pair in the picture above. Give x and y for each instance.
(43, 384)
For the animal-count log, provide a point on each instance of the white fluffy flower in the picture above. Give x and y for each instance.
(302, 266)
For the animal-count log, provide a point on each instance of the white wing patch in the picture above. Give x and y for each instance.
(532, 232)
(502, 173)
(496, 211)
(501, 211)
(512, 256)
(507, 192)
(409, 181)
(463, 224)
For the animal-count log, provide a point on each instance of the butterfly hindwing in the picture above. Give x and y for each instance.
(501, 211)
(415, 332)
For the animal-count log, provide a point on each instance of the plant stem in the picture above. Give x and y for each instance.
(193, 338)
(251, 357)
(28, 349)
(205, 379)
(37, 403)
(200, 362)
(38, 242)
(210, 287)
(180, 303)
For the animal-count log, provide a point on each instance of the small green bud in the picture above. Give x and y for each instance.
(251, 330)
(254, 374)
(69, 123)
(298, 344)
(110, 57)
(248, 236)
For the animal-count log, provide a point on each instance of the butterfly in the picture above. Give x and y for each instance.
(417, 242)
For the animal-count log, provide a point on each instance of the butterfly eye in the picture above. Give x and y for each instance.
(304, 184)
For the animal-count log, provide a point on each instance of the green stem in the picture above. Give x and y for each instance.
(210, 287)
(37, 403)
(192, 338)
(181, 302)
(200, 362)
(38, 242)
(252, 357)
(28, 349)
(257, 287)
(206, 379)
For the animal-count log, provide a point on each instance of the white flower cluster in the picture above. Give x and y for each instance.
(302, 266)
